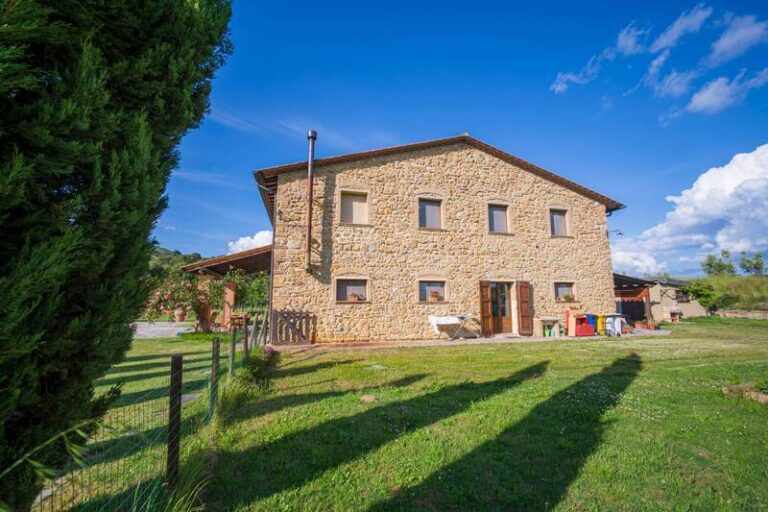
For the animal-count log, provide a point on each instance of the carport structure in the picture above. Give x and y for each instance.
(633, 297)
(250, 262)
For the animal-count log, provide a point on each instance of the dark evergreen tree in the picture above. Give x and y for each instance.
(94, 99)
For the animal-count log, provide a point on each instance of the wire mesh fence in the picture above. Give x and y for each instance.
(132, 455)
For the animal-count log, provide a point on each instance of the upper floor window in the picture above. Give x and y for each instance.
(351, 290)
(430, 213)
(558, 221)
(354, 208)
(497, 218)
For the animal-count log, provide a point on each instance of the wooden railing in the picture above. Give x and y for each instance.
(292, 326)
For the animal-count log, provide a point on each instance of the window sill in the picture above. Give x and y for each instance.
(501, 233)
(433, 302)
(433, 230)
(353, 302)
(354, 224)
(562, 236)
(574, 302)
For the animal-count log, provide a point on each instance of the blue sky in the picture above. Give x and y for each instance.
(637, 102)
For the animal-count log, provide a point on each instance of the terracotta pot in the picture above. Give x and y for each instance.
(180, 315)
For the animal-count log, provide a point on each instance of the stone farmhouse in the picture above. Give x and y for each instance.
(451, 226)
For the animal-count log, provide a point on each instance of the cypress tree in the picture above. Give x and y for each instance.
(94, 99)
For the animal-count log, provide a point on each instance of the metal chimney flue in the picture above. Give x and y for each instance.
(311, 138)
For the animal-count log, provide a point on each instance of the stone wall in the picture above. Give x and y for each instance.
(664, 302)
(753, 314)
(393, 253)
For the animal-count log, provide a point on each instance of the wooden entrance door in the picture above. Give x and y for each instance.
(525, 308)
(500, 307)
(495, 307)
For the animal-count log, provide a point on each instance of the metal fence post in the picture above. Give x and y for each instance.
(214, 387)
(232, 345)
(174, 421)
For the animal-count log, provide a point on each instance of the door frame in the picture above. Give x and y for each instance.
(486, 310)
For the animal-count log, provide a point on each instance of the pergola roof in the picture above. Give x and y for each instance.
(250, 262)
(622, 282)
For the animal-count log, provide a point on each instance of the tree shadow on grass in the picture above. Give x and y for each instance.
(280, 402)
(531, 464)
(192, 383)
(301, 457)
(190, 367)
(163, 364)
(282, 372)
(149, 357)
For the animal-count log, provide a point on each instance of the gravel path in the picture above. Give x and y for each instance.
(144, 330)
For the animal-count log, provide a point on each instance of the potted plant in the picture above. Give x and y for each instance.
(179, 314)
(643, 323)
(434, 296)
(568, 298)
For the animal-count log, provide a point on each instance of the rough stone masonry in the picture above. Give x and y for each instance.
(393, 253)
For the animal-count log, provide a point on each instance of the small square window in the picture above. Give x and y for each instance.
(351, 290)
(354, 208)
(497, 218)
(431, 291)
(558, 222)
(564, 292)
(430, 214)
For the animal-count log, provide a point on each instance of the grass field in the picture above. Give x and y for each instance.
(126, 456)
(599, 425)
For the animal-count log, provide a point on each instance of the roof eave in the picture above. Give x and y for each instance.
(611, 205)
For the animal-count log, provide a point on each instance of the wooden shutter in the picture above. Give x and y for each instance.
(486, 320)
(525, 307)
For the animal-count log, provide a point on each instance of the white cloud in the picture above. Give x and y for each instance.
(725, 208)
(628, 40)
(741, 34)
(688, 22)
(244, 243)
(636, 262)
(588, 73)
(675, 84)
(721, 93)
(296, 128)
(208, 178)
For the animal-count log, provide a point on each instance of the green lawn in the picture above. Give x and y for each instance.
(126, 457)
(599, 425)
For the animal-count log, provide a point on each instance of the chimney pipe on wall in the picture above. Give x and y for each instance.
(311, 138)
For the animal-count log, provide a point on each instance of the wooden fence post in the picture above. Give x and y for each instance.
(232, 345)
(246, 348)
(174, 421)
(214, 387)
